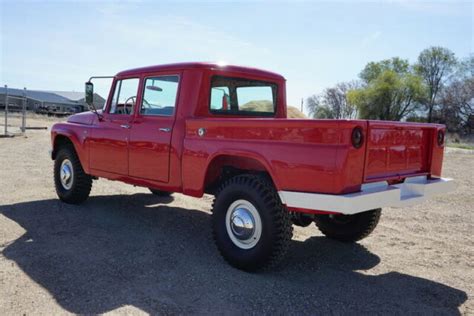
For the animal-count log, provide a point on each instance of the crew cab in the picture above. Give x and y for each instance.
(197, 128)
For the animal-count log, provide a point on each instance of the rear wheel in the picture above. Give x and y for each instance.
(72, 184)
(251, 227)
(348, 228)
(159, 192)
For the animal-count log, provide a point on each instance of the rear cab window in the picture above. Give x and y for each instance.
(238, 96)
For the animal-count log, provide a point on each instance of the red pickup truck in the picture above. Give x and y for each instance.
(198, 128)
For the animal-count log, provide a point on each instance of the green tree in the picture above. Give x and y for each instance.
(392, 91)
(374, 69)
(435, 65)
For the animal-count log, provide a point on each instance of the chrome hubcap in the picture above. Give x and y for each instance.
(66, 174)
(243, 224)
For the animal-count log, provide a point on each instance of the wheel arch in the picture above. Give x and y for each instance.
(221, 166)
(60, 140)
(63, 138)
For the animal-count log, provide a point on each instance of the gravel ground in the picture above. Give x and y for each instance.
(126, 251)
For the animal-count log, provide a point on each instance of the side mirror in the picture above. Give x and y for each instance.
(89, 89)
(225, 102)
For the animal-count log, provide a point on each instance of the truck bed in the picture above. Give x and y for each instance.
(313, 155)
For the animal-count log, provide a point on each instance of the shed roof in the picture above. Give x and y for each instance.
(42, 96)
(71, 95)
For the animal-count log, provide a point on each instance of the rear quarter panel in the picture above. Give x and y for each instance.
(300, 155)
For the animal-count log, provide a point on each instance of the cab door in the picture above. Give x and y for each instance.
(152, 128)
(109, 138)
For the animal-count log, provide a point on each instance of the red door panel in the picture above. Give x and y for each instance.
(150, 135)
(109, 144)
(149, 148)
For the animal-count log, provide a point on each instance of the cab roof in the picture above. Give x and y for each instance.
(202, 65)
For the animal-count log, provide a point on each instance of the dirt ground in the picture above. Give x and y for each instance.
(126, 251)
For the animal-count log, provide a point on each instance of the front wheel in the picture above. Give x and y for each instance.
(72, 184)
(251, 227)
(348, 228)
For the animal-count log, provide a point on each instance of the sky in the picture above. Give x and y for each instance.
(58, 45)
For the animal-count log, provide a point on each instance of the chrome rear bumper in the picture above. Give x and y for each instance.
(373, 195)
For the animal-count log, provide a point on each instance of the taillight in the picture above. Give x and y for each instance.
(440, 138)
(357, 137)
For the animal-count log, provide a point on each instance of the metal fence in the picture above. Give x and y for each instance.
(14, 114)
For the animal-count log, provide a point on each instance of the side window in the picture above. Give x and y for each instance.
(239, 96)
(159, 96)
(255, 99)
(125, 96)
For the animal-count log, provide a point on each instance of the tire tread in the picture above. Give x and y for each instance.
(279, 213)
(82, 183)
(366, 223)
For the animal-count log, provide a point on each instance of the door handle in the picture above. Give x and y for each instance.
(165, 129)
(125, 126)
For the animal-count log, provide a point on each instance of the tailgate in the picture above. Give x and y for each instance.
(396, 150)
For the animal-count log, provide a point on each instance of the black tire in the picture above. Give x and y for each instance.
(348, 228)
(81, 182)
(276, 229)
(159, 192)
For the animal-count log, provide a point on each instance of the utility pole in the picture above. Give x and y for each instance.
(23, 111)
(302, 105)
(6, 110)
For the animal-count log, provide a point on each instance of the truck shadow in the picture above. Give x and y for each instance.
(132, 250)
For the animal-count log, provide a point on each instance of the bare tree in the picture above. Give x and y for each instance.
(457, 104)
(465, 68)
(435, 65)
(332, 102)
